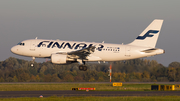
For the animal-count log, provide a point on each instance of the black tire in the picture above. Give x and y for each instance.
(81, 67)
(84, 68)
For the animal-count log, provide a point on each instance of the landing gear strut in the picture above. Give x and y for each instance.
(32, 62)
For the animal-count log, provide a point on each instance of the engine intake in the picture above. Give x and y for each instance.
(58, 59)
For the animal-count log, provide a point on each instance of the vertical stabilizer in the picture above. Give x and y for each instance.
(149, 36)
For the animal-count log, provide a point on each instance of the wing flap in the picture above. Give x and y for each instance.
(82, 53)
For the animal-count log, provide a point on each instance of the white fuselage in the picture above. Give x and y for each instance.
(104, 52)
(66, 52)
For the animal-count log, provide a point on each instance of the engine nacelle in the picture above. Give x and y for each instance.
(58, 58)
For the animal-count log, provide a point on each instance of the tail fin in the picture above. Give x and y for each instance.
(149, 36)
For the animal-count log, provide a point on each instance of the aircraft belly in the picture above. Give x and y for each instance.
(107, 56)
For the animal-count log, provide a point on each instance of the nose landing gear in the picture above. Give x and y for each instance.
(32, 62)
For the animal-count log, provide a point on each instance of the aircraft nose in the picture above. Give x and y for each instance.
(14, 49)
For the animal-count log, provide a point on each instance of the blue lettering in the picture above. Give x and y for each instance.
(100, 48)
(56, 44)
(90, 45)
(49, 45)
(78, 46)
(41, 44)
(69, 46)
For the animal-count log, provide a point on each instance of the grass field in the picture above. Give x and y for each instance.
(132, 98)
(99, 87)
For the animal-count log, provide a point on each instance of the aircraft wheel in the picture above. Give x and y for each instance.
(32, 65)
(84, 68)
(81, 67)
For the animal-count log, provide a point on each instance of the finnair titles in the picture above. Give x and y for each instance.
(63, 45)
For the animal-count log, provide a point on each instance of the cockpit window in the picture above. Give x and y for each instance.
(22, 44)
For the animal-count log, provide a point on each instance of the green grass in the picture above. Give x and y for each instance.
(130, 98)
(99, 87)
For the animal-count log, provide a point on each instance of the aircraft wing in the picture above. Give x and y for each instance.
(82, 53)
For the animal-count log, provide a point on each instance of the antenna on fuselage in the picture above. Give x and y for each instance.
(36, 37)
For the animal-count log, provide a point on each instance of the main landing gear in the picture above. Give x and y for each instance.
(82, 66)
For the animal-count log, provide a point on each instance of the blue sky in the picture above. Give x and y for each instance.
(112, 21)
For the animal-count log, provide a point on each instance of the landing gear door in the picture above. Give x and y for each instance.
(128, 51)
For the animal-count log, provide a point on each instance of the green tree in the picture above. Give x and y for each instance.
(68, 78)
(37, 78)
(171, 73)
(32, 78)
(174, 64)
(55, 78)
(145, 76)
(1, 79)
(15, 79)
(47, 78)
(23, 77)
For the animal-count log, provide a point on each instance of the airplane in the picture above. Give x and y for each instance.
(67, 52)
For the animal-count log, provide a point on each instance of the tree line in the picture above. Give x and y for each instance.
(137, 70)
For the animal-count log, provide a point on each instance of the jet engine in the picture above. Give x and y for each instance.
(59, 58)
